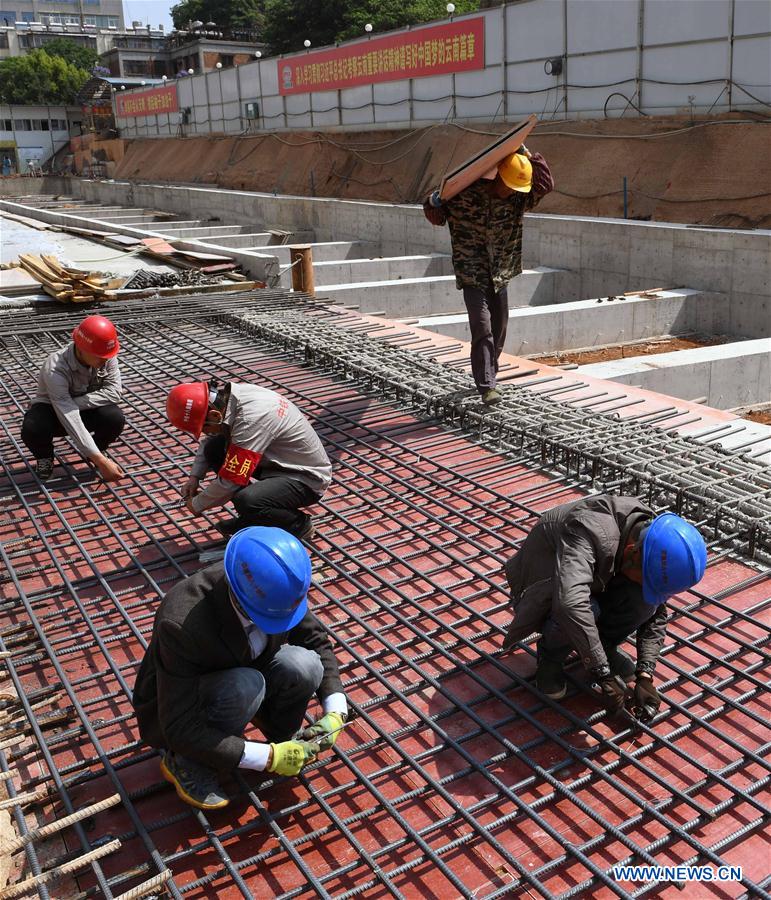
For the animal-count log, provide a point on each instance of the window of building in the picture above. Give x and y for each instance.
(3, 40)
(137, 67)
(22, 124)
(7, 17)
(40, 125)
(28, 17)
(59, 125)
(226, 60)
(6, 124)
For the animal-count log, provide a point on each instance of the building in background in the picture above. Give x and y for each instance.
(83, 13)
(31, 135)
(153, 54)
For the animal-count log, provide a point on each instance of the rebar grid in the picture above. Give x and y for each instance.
(458, 775)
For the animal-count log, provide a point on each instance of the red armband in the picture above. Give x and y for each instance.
(239, 465)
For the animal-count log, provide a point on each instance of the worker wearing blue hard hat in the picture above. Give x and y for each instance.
(589, 575)
(232, 644)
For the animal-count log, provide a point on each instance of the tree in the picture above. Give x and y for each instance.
(385, 15)
(226, 14)
(83, 57)
(40, 79)
(289, 22)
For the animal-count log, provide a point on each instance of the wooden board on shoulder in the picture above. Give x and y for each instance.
(479, 164)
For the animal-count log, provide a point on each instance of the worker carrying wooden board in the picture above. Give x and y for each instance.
(483, 202)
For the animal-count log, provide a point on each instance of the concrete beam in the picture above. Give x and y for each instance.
(389, 268)
(424, 296)
(589, 323)
(728, 375)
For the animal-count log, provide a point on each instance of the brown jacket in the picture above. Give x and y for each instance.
(196, 632)
(572, 553)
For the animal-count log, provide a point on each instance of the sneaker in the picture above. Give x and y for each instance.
(550, 678)
(620, 663)
(196, 785)
(308, 531)
(44, 468)
(491, 397)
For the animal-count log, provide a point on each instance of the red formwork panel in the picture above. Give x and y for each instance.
(456, 778)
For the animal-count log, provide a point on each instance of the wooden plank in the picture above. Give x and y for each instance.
(486, 160)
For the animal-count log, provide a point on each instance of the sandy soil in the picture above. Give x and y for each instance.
(715, 173)
(627, 351)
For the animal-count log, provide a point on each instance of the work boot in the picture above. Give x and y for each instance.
(44, 468)
(550, 677)
(195, 784)
(491, 397)
(308, 531)
(620, 663)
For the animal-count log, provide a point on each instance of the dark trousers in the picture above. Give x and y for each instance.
(278, 696)
(619, 611)
(41, 425)
(275, 500)
(488, 316)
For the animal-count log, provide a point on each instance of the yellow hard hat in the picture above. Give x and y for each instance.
(516, 173)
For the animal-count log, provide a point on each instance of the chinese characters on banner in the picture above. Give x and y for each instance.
(437, 50)
(157, 101)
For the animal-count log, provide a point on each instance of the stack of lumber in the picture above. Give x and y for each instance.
(75, 286)
(65, 284)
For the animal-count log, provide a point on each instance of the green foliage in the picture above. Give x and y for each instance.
(385, 15)
(227, 14)
(37, 78)
(285, 24)
(82, 57)
(289, 22)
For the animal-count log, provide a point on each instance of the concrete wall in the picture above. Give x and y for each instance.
(665, 57)
(609, 256)
(728, 375)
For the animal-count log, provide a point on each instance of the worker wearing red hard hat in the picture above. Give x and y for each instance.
(268, 459)
(78, 391)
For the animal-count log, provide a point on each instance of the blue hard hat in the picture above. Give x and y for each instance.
(674, 558)
(269, 573)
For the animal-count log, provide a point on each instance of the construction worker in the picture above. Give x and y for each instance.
(587, 576)
(233, 643)
(255, 433)
(78, 391)
(485, 222)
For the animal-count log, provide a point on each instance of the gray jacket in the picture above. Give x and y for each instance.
(571, 554)
(70, 387)
(268, 431)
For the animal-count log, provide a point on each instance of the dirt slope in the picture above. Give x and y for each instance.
(715, 173)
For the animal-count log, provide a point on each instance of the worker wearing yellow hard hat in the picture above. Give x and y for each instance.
(485, 221)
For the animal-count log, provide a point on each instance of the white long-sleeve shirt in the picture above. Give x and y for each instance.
(268, 431)
(69, 387)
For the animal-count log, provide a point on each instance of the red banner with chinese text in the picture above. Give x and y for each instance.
(157, 101)
(436, 50)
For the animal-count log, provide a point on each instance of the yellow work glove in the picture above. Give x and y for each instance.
(291, 757)
(325, 731)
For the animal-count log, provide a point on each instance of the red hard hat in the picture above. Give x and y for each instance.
(97, 335)
(187, 405)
